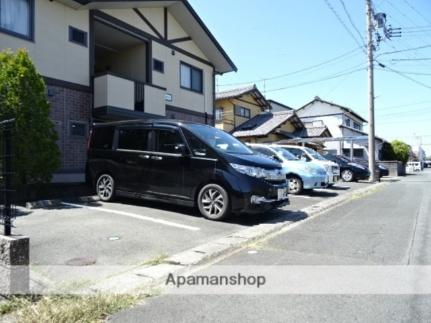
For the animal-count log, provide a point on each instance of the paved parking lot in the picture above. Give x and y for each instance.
(131, 232)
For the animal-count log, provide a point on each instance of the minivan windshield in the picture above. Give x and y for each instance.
(314, 154)
(219, 139)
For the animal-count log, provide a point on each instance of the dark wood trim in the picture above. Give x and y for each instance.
(180, 40)
(214, 95)
(165, 17)
(91, 50)
(133, 31)
(116, 113)
(65, 84)
(149, 24)
(172, 108)
(149, 55)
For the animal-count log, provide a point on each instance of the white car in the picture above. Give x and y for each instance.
(308, 154)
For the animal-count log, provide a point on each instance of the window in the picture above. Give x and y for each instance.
(158, 66)
(357, 126)
(219, 114)
(78, 129)
(133, 139)
(242, 112)
(77, 36)
(196, 145)
(191, 78)
(16, 17)
(169, 141)
(102, 138)
(348, 122)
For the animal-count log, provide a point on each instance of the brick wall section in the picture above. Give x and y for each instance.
(70, 105)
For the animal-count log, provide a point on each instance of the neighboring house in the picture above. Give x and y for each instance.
(236, 106)
(111, 60)
(277, 106)
(269, 127)
(342, 122)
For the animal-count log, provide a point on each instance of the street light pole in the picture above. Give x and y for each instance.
(371, 130)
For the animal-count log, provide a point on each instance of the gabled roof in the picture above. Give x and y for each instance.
(310, 131)
(239, 92)
(346, 109)
(186, 16)
(281, 105)
(264, 123)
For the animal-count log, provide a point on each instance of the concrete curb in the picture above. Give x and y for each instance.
(149, 277)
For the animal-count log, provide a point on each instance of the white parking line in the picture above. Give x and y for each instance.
(302, 196)
(135, 216)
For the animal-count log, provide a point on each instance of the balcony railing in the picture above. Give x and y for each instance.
(112, 91)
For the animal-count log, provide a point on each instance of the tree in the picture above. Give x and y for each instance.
(401, 150)
(23, 97)
(388, 152)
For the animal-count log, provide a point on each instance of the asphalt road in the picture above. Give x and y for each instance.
(390, 227)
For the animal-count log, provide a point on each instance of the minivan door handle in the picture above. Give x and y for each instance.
(144, 156)
(157, 157)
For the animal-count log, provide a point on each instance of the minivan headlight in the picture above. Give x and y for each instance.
(273, 174)
(250, 170)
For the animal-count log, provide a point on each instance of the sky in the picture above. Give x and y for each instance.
(282, 41)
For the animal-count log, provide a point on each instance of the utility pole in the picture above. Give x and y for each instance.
(371, 130)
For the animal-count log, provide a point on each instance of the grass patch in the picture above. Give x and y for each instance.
(65, 309)
(155, 261)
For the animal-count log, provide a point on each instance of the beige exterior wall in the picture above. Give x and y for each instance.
(170, 79)
(51, 50)
(114, 92)
(155, 101)
(230, 120)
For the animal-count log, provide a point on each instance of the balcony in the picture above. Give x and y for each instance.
(117, 97)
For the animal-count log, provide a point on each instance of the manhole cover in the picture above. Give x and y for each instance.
(81, 261)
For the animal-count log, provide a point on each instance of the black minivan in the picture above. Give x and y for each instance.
(184, 163)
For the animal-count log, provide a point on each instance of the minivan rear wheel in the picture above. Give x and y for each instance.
(347, 175)
(105, 187)
(213, 202)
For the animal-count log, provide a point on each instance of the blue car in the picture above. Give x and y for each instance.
(300, 174)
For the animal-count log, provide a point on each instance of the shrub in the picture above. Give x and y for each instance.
(23, 97)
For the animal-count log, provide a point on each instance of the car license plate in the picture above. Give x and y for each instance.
(282, 192)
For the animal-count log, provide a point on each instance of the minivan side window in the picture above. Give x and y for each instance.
(169, 141)
(102, 138)
(198, 148)
(133, 139)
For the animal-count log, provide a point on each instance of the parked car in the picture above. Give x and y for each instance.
(310, 155)
(350, 171)
(382, 170)
(300, 174)
(184, 163)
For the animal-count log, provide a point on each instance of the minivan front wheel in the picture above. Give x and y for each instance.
(105, 187)
(213, 202)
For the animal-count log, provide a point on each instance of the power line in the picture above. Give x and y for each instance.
(340, 74)
(305, 69)
(361, 45)
(411, 59)
(351, 21)
(410, 72)
(404, 105)
(404, 50)
(387, 115)
(408, 77)
(418, 12)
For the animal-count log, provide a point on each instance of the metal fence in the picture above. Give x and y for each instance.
(7, 209)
